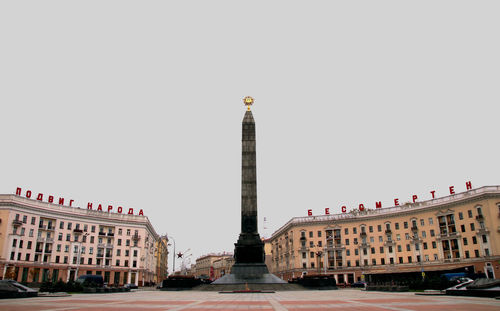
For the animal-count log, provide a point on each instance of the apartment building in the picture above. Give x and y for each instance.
(460, 231)
(41, 241)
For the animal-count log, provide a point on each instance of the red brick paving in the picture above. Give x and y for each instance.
(311, 302)
(443, 307)
(236, 302)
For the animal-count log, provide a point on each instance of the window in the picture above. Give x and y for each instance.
(118, 262)
(390, 249)
(135, 253)
(379, 228)
(311, 254)
(462, 228)
(60, 237)
(120, 231)
(84, 238)
(92, 239)
(320, 244)
(424, 235)
(370, 228)
(425, 245)
(407, 236)
(65, 259)
(33, 220)
(476, 252)
(127, 243)
(85, 228)
(397, 225)
(432, 232)
(469, 212)
(91, 250)
(61, 225)
(380, 239)
(69, 225)
(405, 225)
(126, 263)
(31, 233)
(311, 244)
(485, 240)
(372, 240)
(346, 241)
(467, 255)
(58, 248)
(304, 256)
(29, 245)
(354, 230)
(356, 252)
(319, 234)
(431, 221)
(381, 249)
(382, 261)
(68, 237)
(346, 230)
(357, 263)
(66, 248)
(400, 259)
(374, 262)
(128, 232)
(399, 248)
(434, 245)
(417, 247)
(409, 259)
(391, 261)
(472, 227)
(89, 261)
(310, 234)
(119, 252)
(373, 250)
(486, 252)
(422, 222)
(355, 241)
(92, 229)
(347, 252)
(460, 215)
(348, 263)
(465, 241)
(398, 237)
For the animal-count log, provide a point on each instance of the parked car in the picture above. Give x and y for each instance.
(91, 280)
(131, 286)
(359, 284)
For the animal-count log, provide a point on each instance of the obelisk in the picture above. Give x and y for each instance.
(249, 266)
(249, 248)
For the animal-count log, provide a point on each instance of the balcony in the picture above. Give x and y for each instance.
(102, 233)
(49, 240)
(414, 228)
(100, 255)
(101, 245)
(109, 245)
(40, 239)
(48, 251)
(362, 234)
(388, 231)
(111, 234)
(78, 231)
(480, 217)
(17, 222)
(136, 237)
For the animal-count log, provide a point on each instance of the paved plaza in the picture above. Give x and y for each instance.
(345, 299)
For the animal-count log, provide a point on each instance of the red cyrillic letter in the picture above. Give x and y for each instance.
(119, 209)
(89, 205)
(467, 184)
(309, 212)
(378, 204)
(344, 209)
(99, 208)
(452, 190)
(40, 197)
(51, 199)
(432, 192)
(110, 207)
(141, 213)
(361, 207)
(327, 211)
(61, 201)
(414, 198)
(28, 194)
(396, 202)
(71, 202)
(131, 211)
(18, 191)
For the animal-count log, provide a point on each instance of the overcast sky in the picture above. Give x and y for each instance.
(139, 104)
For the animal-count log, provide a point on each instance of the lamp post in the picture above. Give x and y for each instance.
(173, 255)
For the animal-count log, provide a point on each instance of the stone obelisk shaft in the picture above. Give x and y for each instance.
(248, 176)
(249, 248)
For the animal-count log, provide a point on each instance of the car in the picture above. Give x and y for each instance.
(359, 284)
(131, 286)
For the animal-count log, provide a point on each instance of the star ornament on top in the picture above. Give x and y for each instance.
(248, 101)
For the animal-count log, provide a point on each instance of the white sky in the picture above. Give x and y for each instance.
(139, 104)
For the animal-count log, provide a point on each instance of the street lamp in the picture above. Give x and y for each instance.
(173, 254)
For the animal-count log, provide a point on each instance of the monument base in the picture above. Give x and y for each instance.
(249, 273)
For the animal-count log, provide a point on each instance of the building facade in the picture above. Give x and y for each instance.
(205, 266)
(461, 231)
(161, 258)
(42, 242)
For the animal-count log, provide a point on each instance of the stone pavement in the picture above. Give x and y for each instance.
(344, 299)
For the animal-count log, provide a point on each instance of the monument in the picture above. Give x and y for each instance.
(249, 266)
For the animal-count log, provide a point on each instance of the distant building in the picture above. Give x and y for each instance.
(205, 268)
(222, 266)
(460, 232)
(41, 241)
(161, 258)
